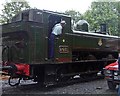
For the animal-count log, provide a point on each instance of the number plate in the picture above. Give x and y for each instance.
(63, 49)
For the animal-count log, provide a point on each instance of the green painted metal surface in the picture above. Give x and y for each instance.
(35, 37)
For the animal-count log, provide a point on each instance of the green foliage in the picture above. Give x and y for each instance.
(103, 12)
(75, 15)
(10, 9)
(118, 9)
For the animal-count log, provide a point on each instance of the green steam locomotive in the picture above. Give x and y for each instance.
(77, 53)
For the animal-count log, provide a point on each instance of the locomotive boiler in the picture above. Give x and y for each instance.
(25, 49)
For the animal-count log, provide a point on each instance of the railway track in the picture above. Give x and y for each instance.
(91, 87)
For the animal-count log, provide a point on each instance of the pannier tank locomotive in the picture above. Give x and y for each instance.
(25, 49)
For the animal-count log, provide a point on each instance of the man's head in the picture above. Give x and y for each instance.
(62, 22)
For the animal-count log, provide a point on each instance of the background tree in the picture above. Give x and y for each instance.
(103, 12)
(118, 9)
(10, 9)
(75, 15)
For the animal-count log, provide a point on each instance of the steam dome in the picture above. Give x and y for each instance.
(82, 25)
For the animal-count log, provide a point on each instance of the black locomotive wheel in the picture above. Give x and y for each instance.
(14, 81)
(61, 74)
(111, 85)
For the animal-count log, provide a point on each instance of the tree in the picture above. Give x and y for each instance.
(75, 15)
(118, 9)
(103, 12)
(10, 9)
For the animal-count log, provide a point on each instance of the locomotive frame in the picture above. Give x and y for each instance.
(25, 51)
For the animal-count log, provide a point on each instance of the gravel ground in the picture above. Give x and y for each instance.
(91, 87)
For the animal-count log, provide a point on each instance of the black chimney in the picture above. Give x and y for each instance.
(103, 28)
